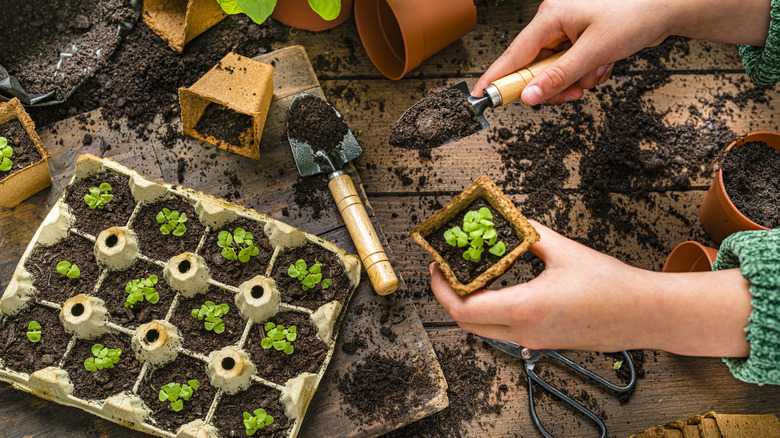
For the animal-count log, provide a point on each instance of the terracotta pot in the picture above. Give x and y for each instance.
(298, 14)
(690, 257)
(399, 34)
(718, 215)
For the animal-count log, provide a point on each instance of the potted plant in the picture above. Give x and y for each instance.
(314, 15)
(476, 237)
(24, 169)
(690, 257)
(179, 21)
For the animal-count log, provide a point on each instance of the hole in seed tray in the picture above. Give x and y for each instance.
(257, 292)
(152, 335)
(184, 266)
(77, 309)
(112, 240)
(228, 363)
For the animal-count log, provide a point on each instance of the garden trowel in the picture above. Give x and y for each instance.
(366, 240)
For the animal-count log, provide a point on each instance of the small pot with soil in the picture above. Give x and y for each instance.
(227, 107)
(476, 237)
(24, 169)
(179, 21)
(690, 257)
(745, 193)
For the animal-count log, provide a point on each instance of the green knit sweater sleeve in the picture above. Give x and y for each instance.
(763, 63)
(757, 254)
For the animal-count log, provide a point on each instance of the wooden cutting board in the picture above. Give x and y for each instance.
(266, 185)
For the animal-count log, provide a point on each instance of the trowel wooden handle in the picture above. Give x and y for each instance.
(512, 85)
(374, 258)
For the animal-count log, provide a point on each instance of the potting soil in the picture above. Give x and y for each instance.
(313, 121)
(752, 181)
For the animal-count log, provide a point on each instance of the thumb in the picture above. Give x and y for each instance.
(552, 246)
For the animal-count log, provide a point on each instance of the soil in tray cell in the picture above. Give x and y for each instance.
(225, 124)
(113, 292)
(229, 419)
(154, 244)
(192, 330)
(290, 288)
(53, 286)
(181, 370)
(101, 384)
(750, 175)
(314, 122)
(235, 272)
(19, 354)
(114, 214)
(274, 365)
(466, 271)
(24, 151)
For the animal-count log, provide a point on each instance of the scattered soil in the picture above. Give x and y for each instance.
(229, 419)
(290, 288)
(234, 272)
(181, 370)
(226, 125)
(311, 193)
(53, 286)
(313, 121)
(464, 270)
(194, 335)
(25, 152)
(624, 373)
(21, 355)
(115, 214)
(442, 116)
(101, 384)
(153, 243)
(274, 365)
(752, 182)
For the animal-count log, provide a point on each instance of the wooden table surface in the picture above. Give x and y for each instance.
(673, 386)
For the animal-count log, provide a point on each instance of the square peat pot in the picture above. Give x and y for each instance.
(512, 227)
(227, 107)
(179, 21)
(20, 185)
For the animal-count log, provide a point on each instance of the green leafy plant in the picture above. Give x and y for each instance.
(34, 331)
(279, 338)
(240, 240)
(259, 420)
(308, 277)
(104, 358)
(5, 153)
(138, 290)
(98, 197)
(213, 315)
(617, 365)
(476, 233)
(176, 393)
(67, 269)
(172, 222)
(260, 10)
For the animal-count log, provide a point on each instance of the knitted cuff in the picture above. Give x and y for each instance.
(757, 254)
(763, 63)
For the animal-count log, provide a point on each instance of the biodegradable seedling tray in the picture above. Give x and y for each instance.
(235, 373)
(179, 21)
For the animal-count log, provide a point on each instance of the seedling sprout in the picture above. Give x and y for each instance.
(477, 231)
(104, 358)
(240, 240)
(67, 269)
(213, 315)
(98, 197)
(259, 420)
(172, 222)
(176, 393)
(310, 277)
(138, 290)
(279, 338)
(34, 331)
(5, 152)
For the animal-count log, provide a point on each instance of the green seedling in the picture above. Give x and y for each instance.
(176, 393)
(240, 240)
(172, 222)
(260, 10)
(308, 277)
(104, 358)
(260, 420)
(138, 290)
(98, 197)
(69, 270)
(476, 233)
(34, 331)
(213, 316)
(5, 152)
(279, 338)
(617, 365)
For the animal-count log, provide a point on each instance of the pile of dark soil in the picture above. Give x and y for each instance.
(229, 417)
(313, 121)
(752, 181)
(24, 149)
(224, 124)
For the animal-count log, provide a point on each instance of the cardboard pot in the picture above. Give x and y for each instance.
(718, 215)
(298, 14)
(20, 185)
(238, 83)
(179, 21)
(690, 257)
(399, 34)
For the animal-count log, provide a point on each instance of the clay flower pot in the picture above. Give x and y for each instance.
(718, 215)
(298, 14)
(23, 183)
(690, 257)
(428, 235)
(399, 34)
(179, 21)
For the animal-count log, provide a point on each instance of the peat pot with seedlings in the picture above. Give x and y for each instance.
(476, 237)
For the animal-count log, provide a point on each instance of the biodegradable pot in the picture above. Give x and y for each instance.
(690, 257)
(298, 14)
(485, 189)
(179, 21)
(26, 182)
(399, 34)
(238, 83)
(718, 215)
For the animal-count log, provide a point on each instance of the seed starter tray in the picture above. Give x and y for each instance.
(157, 342)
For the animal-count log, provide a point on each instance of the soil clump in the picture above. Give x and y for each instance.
(224, 124)
(313, 121)
(750, 175)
